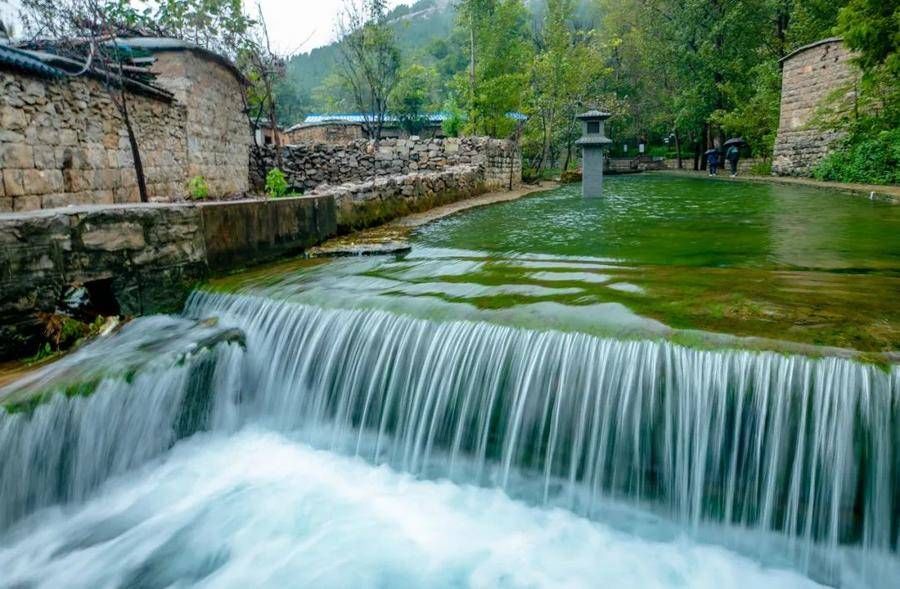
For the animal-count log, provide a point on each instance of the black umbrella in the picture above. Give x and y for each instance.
(709, 151)
(738, 141)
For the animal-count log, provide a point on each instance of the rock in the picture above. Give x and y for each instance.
(113, 237)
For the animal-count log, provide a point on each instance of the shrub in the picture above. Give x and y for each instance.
(198, 188)
(763, 168)
(570, 177)
(276, 183)
(531, 175)
(870, 158)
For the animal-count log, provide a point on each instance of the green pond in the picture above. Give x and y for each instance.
(690, 259)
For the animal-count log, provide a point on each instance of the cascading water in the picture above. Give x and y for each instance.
(739, 445)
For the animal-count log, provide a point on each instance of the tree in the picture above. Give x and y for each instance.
(263, 68)
(872, 28)
(499, 53)
(370, 60)
(566, 75)
(87, 32)
(411, 98)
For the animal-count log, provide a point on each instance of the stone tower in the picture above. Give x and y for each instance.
(592, 142)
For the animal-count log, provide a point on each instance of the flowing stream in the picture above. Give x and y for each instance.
(785, 458)
(513, 414)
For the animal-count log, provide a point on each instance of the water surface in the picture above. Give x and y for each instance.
(657, 253)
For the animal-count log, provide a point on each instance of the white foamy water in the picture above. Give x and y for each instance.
(256, 509)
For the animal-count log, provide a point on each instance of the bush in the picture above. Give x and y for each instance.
(276, 183)
(869, 158)
(531, 175)
(570, 177)
(763, 168)
(198, 188)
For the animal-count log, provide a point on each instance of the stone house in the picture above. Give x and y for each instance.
(341, 128)
(63, 142)
(811, 75)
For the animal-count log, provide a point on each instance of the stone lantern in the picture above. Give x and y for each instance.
(592, 142)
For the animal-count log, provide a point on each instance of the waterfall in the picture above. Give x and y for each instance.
(802, 449)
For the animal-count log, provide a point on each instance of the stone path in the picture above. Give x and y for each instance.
(393, 237)
(889, 193)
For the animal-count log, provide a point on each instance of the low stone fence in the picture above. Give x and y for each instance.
(140, 258)
(310, 165)
(745, 165)
(376, 201)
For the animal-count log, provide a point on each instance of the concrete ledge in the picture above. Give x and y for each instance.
(376, 201)
(146, 257)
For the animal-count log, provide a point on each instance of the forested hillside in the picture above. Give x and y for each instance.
(416, 28)
(677, 74)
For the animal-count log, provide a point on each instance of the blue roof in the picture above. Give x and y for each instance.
(27, 62)
(356, 117)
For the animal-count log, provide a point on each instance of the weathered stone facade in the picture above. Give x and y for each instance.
(309, 165)
(147, 257)
(216, 127)
(330, 133)
(374, 183)
(63, 141)
(810, 75)
(378, 200)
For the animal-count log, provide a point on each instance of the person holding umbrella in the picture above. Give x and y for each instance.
(712, 160)
(733, 153)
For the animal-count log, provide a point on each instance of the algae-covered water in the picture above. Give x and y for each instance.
(657, 255)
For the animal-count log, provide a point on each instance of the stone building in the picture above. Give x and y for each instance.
(340, 128)
(63, 141)
(811, 76)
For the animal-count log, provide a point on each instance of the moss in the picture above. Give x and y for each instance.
(34, 400)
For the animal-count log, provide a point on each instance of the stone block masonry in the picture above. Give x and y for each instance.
(63, 141)
(374, 183)
(309, 165)
(379, 200)
(810, 76)
(146, 257)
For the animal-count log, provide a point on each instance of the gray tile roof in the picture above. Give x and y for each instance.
(25, 61)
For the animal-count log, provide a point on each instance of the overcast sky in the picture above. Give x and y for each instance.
(294, 25)
(291, 22)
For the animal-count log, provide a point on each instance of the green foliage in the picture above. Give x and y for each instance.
(497, 33)
(872, 28)
(198, 188)
(531, 175)
(42, 354)
(567, 76)
(276, 183)
(870, 158)
(570, 177)
(763, 168)
(412, 98)
(453, 124)
(369, 62)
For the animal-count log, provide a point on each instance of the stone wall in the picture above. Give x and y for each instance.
(329, 133)
(309, 165)
(378, 200)
(147, 257)
(810, 76)
(217, 129)
(62, 142)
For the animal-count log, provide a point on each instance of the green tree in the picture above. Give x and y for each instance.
(370, 60)
(496, 81)
(412, 98)
(566, 77)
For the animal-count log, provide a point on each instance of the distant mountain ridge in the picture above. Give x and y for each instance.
(416, 26)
